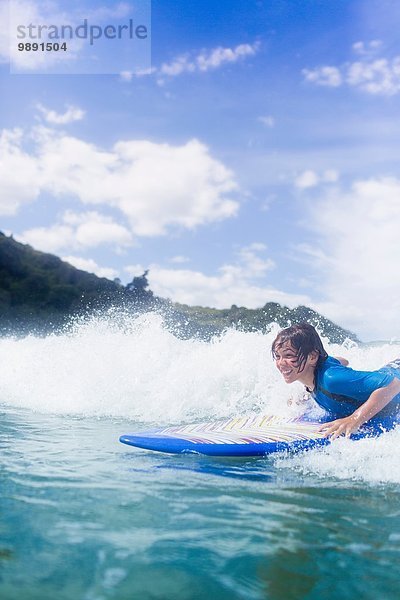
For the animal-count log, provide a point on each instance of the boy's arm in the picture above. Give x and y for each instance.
(343, 361)
(377, 400)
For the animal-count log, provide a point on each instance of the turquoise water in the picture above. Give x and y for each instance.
(82, 516)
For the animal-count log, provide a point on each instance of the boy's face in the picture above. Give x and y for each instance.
(287, 363)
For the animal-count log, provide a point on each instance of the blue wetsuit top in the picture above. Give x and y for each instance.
(341, 390)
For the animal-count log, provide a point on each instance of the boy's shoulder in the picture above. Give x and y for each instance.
(333, 372)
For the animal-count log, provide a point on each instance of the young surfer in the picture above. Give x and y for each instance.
(350, 398)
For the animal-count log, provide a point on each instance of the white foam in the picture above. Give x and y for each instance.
(374, 460)
(134, 367)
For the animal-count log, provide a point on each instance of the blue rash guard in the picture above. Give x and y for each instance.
(341, 390)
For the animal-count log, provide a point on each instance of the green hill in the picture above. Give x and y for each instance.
(259, 319)
(40, 292)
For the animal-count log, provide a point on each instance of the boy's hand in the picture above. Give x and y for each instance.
(345, 426)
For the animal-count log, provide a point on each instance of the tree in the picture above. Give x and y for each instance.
(139, 285)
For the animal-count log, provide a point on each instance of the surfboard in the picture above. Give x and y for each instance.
(241, 436)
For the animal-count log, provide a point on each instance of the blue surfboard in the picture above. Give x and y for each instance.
(241, 436)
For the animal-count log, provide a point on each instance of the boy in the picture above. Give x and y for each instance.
(350, 398)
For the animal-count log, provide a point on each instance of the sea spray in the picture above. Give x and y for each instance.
(135, 367)
(371, 460)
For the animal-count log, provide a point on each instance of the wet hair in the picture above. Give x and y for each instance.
(304, 339)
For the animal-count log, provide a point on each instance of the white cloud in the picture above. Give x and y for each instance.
(219, 56)
(309, 178)
(267, 120)
(127, 76)
(154, 186)
(330, 176)
(377, 76)
(78, 231)
(306, 180)
(327, 76)
(181, 64)
(380, 76)
(367, 48)
(15, 190)
(134, 270)
(309, 254)
(237, 283)
(89, 265)
(49, 239)
(251, 264)
(358, 232)
(219, 291)
(207, 59)
(93, 229)
(164, 185)
(71, 114)
(179, 260)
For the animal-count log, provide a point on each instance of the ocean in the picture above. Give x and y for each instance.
(85, 517)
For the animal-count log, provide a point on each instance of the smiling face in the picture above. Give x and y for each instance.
(287, 363)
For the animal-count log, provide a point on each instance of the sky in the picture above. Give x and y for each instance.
(245, 152)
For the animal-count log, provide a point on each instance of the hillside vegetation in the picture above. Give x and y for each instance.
(40, 292)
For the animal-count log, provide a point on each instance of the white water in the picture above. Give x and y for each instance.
(134, 368)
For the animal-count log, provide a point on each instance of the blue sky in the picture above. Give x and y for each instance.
(258, 161)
